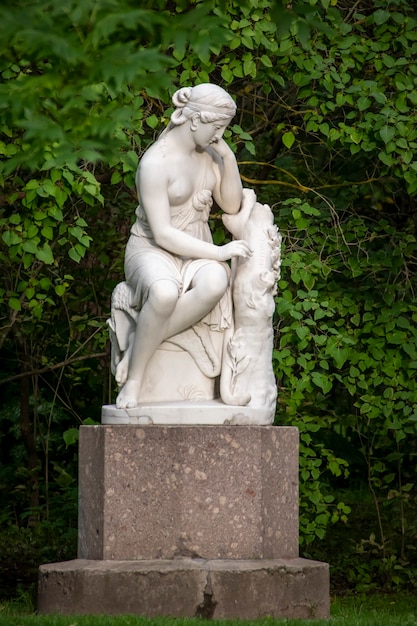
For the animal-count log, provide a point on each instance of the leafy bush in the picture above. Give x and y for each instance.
(325, 132)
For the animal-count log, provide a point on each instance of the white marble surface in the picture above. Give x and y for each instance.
(212, 412)
(192, 318)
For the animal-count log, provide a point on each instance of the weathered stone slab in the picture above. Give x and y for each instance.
(155, 492)
(220, 589)
(186, 413)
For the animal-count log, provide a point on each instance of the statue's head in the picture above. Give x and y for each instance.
(211, 102)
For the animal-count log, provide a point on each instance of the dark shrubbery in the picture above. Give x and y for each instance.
(326, 133)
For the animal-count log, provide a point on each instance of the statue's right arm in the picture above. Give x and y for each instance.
(153, 181)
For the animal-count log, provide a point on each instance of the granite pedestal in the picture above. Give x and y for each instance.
(188, 520)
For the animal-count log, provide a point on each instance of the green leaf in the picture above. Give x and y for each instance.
(116, 177)
(11, 238)
(31, 184)
(288, 139)
(322, 380)
(387, 159)
(60, 290)
(411, 350)
(356, 135)
(227, 74)
(265, 60)
(387, 133)
(381, 16)
(340, 356)
(45, 283)
(31, 246)
(14, 303)
(308, 279)
(152, 121)
(302, 331)
(47, 232)
(71, 436)
(45, 254)
(15, 219)
(74, 255)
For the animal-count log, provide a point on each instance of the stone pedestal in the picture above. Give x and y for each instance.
(221, 589)
(188, 520)
(202, 491)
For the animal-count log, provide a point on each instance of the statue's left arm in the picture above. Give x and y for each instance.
(228, 189)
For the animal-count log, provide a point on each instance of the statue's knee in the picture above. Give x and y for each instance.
(163, 297)
(214, 281)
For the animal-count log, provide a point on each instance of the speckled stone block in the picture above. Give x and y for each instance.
(84, 587)
(283, 588)
(205, 492)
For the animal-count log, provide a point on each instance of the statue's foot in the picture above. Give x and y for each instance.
(128, 397)
(122, 371)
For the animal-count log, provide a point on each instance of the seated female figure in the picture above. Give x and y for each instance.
(178, 277)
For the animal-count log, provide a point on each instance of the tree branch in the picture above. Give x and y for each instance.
(50, 368)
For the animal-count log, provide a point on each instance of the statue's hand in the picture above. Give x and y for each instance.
(237, 248)
(222, 148)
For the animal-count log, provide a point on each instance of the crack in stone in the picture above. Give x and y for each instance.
(206, 609)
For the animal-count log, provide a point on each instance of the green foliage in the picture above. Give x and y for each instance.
(347, 364)
(23, 549)
(367, 83)
(325, 132)
(84, 68)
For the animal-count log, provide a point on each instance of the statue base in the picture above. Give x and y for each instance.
(208, 412)
(186, 520)
(220, 589)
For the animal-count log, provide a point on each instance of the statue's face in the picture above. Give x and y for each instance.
(207, 133)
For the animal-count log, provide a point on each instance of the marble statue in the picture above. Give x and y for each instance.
(193, 321)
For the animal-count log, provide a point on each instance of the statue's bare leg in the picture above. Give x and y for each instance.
(150, 332)
(208, 286)
(165, 314)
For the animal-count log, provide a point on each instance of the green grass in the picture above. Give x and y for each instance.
(375, 610)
